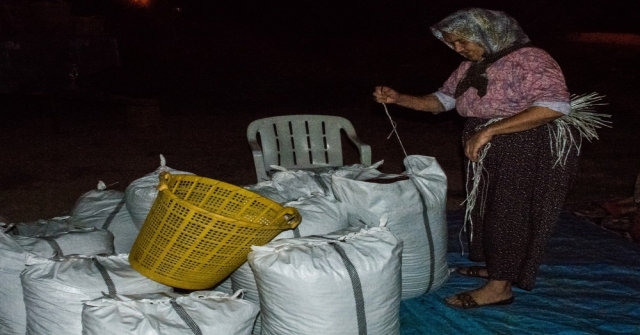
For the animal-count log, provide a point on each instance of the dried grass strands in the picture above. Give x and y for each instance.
(582, 117)
(475, 171)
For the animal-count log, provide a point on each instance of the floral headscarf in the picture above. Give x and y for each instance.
(497, 32)
(493, 30)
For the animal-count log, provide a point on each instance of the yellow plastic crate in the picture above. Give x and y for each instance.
(200, 230)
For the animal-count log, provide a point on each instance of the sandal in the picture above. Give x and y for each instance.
(468, 302)
(472, 271)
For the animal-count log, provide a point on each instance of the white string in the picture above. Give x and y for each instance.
(394, 125)
(477, 171)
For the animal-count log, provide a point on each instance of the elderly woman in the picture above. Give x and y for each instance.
(508, 90)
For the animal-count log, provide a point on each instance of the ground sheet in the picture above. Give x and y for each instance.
(588, 284)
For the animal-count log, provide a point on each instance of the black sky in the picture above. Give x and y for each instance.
(283, 48)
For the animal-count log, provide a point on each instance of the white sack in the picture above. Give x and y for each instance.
(291, 185)
(105, 209)
(76, 241)
(320, 215)
(225, 286)
(416, 208)
(300, 183)
(13, 317)
(340, 283)
(142, 192)
(54, 291)
(13, 253)
(242, 279)
(42, 227)
(267, 190)
(209, 312)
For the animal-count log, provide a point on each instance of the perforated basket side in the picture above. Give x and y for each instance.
(185, 246)
(225, 199)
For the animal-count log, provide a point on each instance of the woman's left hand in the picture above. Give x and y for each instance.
(475, 143)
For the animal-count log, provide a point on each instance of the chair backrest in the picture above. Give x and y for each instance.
(301, 142)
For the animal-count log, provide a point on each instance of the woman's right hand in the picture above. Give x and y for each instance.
(385, 95)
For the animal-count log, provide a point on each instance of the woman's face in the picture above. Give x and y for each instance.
(469, 50)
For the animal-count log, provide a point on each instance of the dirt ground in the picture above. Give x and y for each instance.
(52, 156)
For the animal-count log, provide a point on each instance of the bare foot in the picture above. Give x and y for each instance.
(494, 291)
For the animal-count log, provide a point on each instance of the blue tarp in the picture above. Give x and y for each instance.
(589, 283)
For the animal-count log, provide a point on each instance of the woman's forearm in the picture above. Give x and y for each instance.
(426, 103)
(528, 119)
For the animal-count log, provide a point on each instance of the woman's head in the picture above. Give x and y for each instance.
(489, 30)
(468, 49)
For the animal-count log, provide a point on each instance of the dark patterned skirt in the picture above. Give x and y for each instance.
(522, 193)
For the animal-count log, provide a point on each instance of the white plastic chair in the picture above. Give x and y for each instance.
(297, 142)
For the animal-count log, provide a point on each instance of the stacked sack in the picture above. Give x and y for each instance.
(142, 192)
(56, 240)
(105, 209)
(200, 312)
(346, 282)
(55, 290)
(40, 227)
(361, 247)
(415, 204)
(122, 213)
(311, 195)
(52, 269)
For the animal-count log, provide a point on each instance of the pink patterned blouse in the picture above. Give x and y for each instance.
(524, 78)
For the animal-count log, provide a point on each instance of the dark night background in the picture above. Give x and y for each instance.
(189, 76)
(247, 50)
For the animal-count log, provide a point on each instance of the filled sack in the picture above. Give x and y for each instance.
(54, 291)
(105, 209)
(142, 192)
(200, 312)
(346, 282)
(320, 215)
(14, 250)
(224, 286)
(415, 205)
(41, 227)
(291, 185)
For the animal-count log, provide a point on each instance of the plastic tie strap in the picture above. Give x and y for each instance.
(357, 289)
(107, 279)
(115, 211)
(185, 317)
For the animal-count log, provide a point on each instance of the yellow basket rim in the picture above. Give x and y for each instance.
(278, 223)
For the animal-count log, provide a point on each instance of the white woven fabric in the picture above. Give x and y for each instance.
(291, 185)
(43, 227)
(320, 215)
(54, 291)
(153, 314)
(142, 192)
(105, 209)
(13, 253)
(416, 211)
(13, 317)
(225, 286)
(307, 287)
